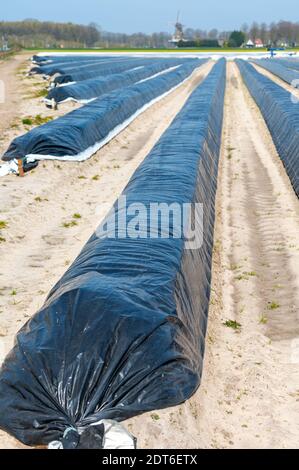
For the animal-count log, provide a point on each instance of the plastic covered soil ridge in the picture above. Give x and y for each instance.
(125, 326)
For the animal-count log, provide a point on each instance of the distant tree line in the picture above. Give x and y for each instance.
(283, 32)
(37, 34)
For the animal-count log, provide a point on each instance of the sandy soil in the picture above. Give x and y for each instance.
(23, 100)
(250, 389)
(38, 244)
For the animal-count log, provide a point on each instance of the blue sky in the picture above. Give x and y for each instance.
(152, 15)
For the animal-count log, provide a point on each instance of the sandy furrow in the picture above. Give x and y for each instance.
(249, 397)
(38, 245)
(12, 90)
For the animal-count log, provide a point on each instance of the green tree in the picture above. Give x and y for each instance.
(236, 39)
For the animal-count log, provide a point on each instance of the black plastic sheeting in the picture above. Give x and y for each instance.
(80, 130)
(123, 331)
(63, 68)
(97, 70)
(55, 59)
(278, 69)
(290, 63)
(280, 114)
(96, 87)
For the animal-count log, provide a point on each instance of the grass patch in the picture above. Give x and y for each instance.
(155, 417)
(246, 275)
(2, 239)
(77, 216)
(40, 93)
(81, 177)
(27, 122)
(3, 224)
(13, 292)
(69, 224)
(273, 305)
(96, 177)
(263, 320)
(37, 120)
(233, 324)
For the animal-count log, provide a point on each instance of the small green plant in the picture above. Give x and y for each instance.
(38, 120)
(273, 305)
(234, 267)
(81, 177)
(38, 199)
(69, 224)
(3, 224)
(155, 417)
(2, 239)
(233, 324)
(13, 292)
(242, 277)
(40, 93)
(77, 216)
(27, 122)
(263, 320)
(96, 177)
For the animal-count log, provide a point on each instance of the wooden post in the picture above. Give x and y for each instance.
(20, 167)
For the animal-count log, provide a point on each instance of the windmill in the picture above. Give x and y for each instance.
(179, 31)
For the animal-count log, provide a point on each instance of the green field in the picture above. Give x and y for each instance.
(189, 50)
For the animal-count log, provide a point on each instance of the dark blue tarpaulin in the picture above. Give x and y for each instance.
(63, 68)
(123, 331)
(278, 69)
(97, 70)
(96, 87)
(290, 63)
(79, 134)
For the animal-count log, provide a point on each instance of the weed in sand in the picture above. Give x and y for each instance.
(155, 417)
(263, 320)
(69, 224)
(38, 120)
(27, 122)
(3, 224)
(273, 305)
(77, 216)
(232, 324)
(96, 177)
